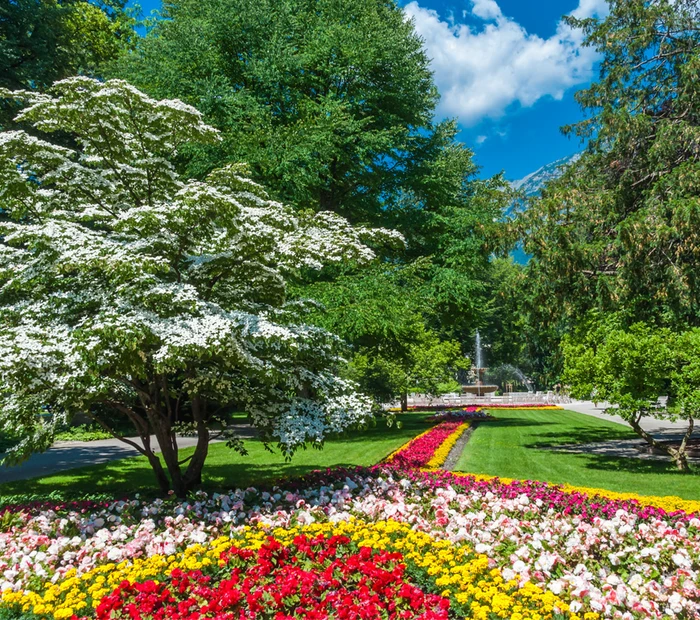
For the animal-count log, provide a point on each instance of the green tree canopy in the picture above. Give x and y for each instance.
(382, 313)
(619, 231)
(332, 104)
(328, 101)
(42, 41)
(630, 368)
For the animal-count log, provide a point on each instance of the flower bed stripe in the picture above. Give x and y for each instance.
(669, 503)
(466, 579)
(442, 452)
(420, 451)
(479, 407)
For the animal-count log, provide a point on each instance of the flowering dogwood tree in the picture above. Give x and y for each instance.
(128, 291)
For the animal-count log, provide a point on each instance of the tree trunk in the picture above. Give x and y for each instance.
(681, 461)
(161, 477)
(193, 475)
(404, 401)
(678, 455)
(167, 441)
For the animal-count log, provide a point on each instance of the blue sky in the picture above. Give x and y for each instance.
(508, 71)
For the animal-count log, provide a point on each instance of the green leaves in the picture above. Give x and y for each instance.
(130, 292)
(42, 41)
(618, 232)
(325, 100)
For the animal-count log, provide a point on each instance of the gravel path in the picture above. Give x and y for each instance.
(453, 457)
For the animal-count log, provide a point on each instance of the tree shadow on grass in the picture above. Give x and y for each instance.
(638, 466)
(223, 478)
(125, 478)
(572, 436)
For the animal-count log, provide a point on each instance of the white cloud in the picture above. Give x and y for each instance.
(482, 71)
(486, 9)
(590, 8)
(481, 139)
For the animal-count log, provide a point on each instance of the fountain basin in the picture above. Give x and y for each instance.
(479, 390)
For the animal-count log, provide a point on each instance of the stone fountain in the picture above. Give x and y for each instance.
(479, 388)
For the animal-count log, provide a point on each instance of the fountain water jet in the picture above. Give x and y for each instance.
(479, 388)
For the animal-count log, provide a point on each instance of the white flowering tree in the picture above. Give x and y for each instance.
(126, 291)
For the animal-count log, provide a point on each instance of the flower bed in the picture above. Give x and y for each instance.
(400, 540)
(361, 569)
(471, 413)
(524, 406)
(443, 451)
(427, 450)
(478, 407)
(519, 543)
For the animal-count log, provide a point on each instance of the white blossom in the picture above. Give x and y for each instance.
(115, 272)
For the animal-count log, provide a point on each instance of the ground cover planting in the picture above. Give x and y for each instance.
(527, 444)
(395, 540)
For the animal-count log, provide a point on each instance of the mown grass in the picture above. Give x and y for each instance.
(523, 445)
(225, 469)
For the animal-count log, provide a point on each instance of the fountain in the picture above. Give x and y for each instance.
(479, 388)
(507, 373)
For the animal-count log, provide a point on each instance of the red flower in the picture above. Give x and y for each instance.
(311, 579)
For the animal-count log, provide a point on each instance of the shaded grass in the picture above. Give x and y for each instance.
(225, 469)
(521, 444)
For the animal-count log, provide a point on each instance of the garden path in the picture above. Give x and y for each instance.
(64, 455)
(649, 424)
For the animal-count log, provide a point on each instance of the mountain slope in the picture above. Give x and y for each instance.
(535, 181)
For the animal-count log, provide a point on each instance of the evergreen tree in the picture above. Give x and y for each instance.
(620, 230)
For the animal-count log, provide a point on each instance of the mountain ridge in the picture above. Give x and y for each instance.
(532, 183)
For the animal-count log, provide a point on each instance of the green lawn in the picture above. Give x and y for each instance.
(226, 469)
(519, 444)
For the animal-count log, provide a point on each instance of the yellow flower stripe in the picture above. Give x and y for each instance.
(463, 575)
(543, 408)
(669, 503)
(440, 455)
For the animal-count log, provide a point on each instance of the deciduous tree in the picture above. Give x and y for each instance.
(42, 41)
(630, 368)
(129, 291)
(333, 105)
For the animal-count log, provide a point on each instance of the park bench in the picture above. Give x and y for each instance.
(660, 404)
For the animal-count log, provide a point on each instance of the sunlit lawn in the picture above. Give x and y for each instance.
(522, 444)
(225, 469)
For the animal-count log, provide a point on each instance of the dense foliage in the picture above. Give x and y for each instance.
(332, 104)
(630, 368)
(42, 41)
(383, 311)
(127, 291)
(618, 232)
